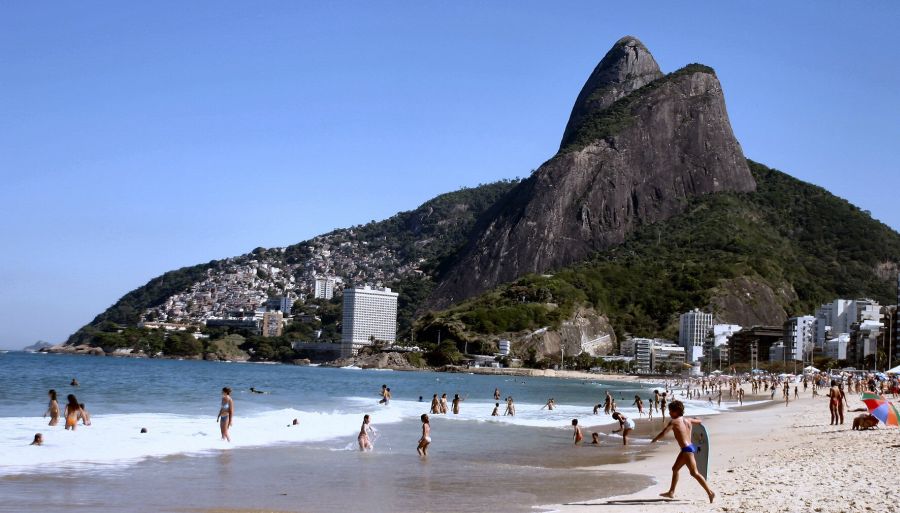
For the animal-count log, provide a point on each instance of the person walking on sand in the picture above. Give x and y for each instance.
(425, 441)
(681, 429)
(226, 414)
(626, 426)
(52, 408)
(365, 442)
(578, 436)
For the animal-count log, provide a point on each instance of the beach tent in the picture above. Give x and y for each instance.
(810, 369)
(895, 370)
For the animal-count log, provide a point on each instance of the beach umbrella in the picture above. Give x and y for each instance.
(882, 409)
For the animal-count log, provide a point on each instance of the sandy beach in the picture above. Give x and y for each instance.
(773, 459)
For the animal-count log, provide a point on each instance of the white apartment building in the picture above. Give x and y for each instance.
(369, 314)
(668, 354)
(324, 287)
(836, 348)
(799, 337)
(831, 318)
(693, 329)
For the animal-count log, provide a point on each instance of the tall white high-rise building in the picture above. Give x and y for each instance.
(370, 314)
(324, 287)
(693, 329)
(799, 336)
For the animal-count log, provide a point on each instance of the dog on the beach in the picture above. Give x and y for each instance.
(865, 421)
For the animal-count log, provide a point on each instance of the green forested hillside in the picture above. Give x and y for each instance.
(426, 235)
(787, 232)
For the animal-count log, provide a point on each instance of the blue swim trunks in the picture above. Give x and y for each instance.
(689, 448)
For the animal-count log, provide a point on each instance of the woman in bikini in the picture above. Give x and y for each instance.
(52, 409)
(226, 413)
(73, 412)
(365, 443)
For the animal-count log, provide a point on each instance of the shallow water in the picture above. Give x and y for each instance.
(476, 463)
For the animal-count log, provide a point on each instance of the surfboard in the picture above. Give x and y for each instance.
(700, 439)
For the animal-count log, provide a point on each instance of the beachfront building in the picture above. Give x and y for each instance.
(751, 345)
(717, 338)
(641, 350)
(323, 288)
(272, 324)
(836, 348)
(831, 320)
(667, 357)
(799, 336)
(693, 329)
(503, 346)
(865, 328)
(370, 314)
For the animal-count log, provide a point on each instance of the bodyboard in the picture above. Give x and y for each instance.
(700, 439)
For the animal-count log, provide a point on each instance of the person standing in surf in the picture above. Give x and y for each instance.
(680, 426)
(435, 405)
(444, 404)
(425, 441)
(364, 439)
(52, 408)
(626, 426)
(226, 413)
(73, 412)
(577, 435)
(455, 403)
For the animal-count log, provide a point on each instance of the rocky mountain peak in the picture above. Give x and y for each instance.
(639, 145)
(626, 67)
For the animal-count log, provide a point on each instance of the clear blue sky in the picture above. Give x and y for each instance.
(135, 139)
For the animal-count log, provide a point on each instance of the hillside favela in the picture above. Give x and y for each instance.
(596, 285)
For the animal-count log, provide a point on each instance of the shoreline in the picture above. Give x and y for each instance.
(767, 458)
(451, 369)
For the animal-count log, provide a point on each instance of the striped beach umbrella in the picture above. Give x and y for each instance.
(882, 409)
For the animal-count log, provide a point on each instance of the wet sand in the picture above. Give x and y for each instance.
(507, 469)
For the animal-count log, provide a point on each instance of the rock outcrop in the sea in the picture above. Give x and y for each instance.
(623, 164)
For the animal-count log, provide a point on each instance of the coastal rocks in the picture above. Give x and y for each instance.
(395, 361)
(629, 164)
(79, 349)
(586, 332)
(226, 349)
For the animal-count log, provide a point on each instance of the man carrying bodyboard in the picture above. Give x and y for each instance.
(681, 429)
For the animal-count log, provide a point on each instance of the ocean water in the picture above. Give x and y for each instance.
(528, 455)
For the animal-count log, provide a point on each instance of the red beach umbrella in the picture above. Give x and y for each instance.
(882, 409)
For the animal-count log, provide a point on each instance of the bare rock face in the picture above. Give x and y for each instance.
(627, 67)
(751, 302)
(630, 163)
(586, 332)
